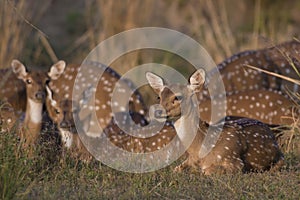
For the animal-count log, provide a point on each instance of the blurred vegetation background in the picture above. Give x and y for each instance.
(40, 32)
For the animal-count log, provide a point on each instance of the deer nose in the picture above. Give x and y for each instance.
(158, 113)
(64, 124)
(40, 95)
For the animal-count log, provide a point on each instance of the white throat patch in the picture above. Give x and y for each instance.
(35, 112)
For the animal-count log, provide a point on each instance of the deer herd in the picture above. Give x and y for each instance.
(244, 140)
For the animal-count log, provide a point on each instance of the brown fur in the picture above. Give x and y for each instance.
(237, 77)
(239, 81)
(62, 89)
(12, 90)
(62, 110)
(270, 107)
(8, 118)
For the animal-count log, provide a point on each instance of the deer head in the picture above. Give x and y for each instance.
(35, 81)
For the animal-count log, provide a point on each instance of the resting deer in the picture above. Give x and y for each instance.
(65, 88)
(7, 117)
(237, 77)
(267, 106)
(12, 90)
(254, 94)
(61, 109)
(62, 112)
(243, 144)
(60, 101)
(35, 83)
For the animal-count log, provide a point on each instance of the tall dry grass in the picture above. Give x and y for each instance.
(17, 19)
(222, 27)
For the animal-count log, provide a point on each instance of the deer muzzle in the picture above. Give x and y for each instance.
(40, 95)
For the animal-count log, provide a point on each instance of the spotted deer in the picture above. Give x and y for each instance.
(62, 102)
(123, 140)
(8, 118)
(12, 90)
(278, 59)
(63, 113)
(65, 88)
(251, 88)
(241, 145)
(267, 106)
(35, 82)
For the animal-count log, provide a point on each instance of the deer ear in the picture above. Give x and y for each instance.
(155, 82)
(56, 70)
(49, 92)
(50, 96)
(197, 80)
(19, 69)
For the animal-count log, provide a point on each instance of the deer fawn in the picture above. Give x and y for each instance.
(35, 82)
(61, 113)
(243, 144)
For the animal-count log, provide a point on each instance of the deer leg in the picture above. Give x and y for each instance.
(277, 166)
(189, 162)
(225, 166)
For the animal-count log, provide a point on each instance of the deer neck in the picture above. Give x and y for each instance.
(33, 116)
(189, 126)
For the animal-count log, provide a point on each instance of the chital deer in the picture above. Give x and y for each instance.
(7, 117)
(251, 88)
(267, 106)
(12, 90)
(243, 144)
(60, 96)
(35, 83)
(283, 58)
(122, 139)
(63, 88)
(237, 77)
(62, 113)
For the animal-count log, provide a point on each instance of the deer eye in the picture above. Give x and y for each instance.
(28, 81)
(57, 111)
(47, 81)
(75, 111)
(158, 97)
(178, 97)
